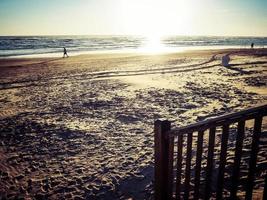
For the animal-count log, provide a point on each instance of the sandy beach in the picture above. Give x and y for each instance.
(82, 127)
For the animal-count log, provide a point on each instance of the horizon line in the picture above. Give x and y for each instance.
(136, 35)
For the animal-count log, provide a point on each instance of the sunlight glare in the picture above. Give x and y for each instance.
(153, 44)
(161, 17)
(156, 18)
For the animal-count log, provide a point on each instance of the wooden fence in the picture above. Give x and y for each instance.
(183, 171)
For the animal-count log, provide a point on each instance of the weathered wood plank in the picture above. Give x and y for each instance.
(209, 162)
(253, 157)
(265, 188)
(188, 165)
(162, 148)
(223, 153)
(169, 172)
(198, 164)
(179, 166)
(247, 114)
(237, 159)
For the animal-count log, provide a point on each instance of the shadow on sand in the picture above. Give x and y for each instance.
(45, 161)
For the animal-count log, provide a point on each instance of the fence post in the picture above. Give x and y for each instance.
(253, 157)
(163, 160)
(265, 188)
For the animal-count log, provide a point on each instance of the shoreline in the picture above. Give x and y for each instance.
(164, 50)
(21, 61)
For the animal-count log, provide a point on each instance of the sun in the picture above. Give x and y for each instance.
(156, 18)
(153, 44)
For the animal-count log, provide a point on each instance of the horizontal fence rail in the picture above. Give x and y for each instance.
(215, 158)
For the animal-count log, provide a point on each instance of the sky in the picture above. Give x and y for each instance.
(134, 17)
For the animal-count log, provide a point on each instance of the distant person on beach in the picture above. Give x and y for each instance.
(252, 45)
(65, 52)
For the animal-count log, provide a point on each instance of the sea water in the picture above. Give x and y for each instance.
(30, 46)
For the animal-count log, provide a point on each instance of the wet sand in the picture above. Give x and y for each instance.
(82, 127)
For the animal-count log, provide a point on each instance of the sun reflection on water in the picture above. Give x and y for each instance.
(153, 44)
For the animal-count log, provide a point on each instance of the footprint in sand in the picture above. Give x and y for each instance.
(8, 113)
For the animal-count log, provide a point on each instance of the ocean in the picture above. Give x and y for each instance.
(35, 46)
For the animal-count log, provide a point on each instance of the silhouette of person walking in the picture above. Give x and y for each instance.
(65, 52)
(252, 45)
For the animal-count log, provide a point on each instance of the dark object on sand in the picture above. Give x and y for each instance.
(65, 52)
(252, 45)
(225, 60)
